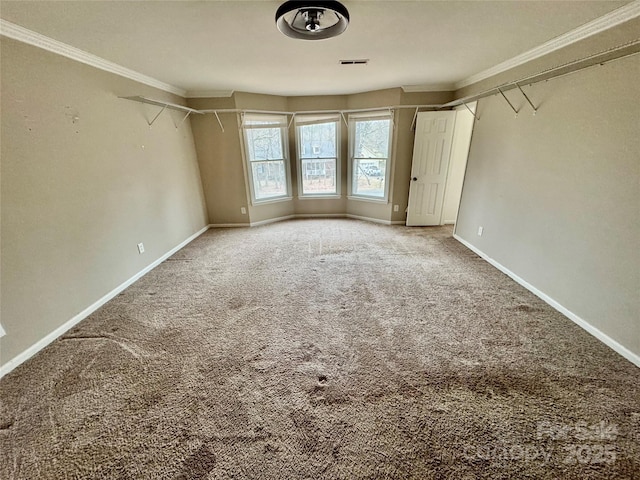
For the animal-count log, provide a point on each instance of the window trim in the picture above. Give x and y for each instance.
(388, 114)
(280, 122)
(300, 121)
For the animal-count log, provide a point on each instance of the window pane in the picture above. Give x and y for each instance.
(318, 158)
(318, 141)
(369, 177)
(264, 144)
(372, 139)
(269, 179)
(318, 176)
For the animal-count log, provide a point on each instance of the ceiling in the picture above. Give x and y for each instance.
(235, 45)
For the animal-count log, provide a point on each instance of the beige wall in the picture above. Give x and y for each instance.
(558, 194)
(76, 197)
(222, 169)
(220, 160)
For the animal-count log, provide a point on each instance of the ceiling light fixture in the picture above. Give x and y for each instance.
(312, 20)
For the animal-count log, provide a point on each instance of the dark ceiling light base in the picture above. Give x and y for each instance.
(312, 20)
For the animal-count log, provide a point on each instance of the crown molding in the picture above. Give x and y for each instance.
(24, 35)
(610, 20)
(429, 87)
(209, 93)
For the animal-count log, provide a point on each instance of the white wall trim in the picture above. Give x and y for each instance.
(321, 215)
(40, 344)
(306, 215)
(603, 337)
(272, 220)
(610, 20)
(229, 225)
(36, 39)
(369, 219)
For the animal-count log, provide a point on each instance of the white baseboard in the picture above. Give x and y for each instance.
(272, 220)
(369, 219)
(321, 215)
(62, 329)
(228, 225)
(347, 215)
(305, 215)
(603, 337)
(399, 222)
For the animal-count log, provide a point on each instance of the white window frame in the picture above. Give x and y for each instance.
(302, 120)
(275, 121)
(353, 119)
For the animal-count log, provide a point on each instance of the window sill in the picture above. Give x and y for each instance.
(320, 197)
(368, 199)
(266, 201)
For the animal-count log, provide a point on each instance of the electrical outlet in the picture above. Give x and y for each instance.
(480, 230)
(141, 248)
(243, 210)
(396, 208)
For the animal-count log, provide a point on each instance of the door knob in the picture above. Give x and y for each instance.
(414, 178)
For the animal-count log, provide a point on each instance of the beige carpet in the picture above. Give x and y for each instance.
(323, 349)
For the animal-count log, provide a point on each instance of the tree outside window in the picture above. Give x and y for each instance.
(318, 157)
(370, 153)
(265, 137)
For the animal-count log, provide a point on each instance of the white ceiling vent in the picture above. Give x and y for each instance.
(362, 61)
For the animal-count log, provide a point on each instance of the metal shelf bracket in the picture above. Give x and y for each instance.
(164, 105)
(183, 119)
(156, 117)
(507, 100)
(219, 122)
(415, 116)
(471, 111)
(535, 110)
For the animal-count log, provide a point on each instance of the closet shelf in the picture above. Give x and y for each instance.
(164, 105)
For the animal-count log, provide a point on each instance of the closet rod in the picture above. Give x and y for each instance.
(615, 53)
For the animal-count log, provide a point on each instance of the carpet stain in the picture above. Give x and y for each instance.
(527, 308)
(236, 302)
(309, 352)
(6, 424)
(198, 465)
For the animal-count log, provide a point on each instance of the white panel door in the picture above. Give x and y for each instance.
(431, 151)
